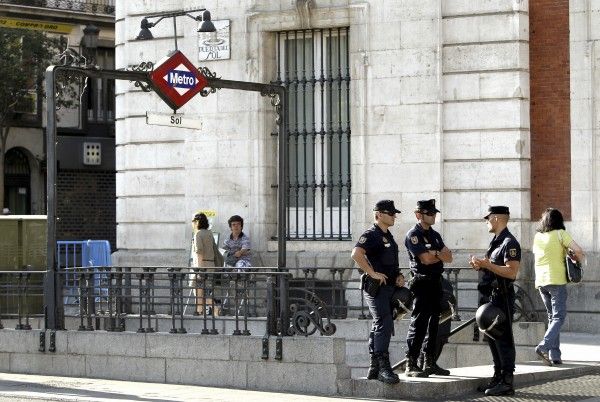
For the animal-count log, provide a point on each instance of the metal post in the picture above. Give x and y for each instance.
(52, 285)
(282, 180)
(175, 31)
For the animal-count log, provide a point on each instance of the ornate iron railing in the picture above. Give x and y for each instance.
(87, 6)
(180, 300)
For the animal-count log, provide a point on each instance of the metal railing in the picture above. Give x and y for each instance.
(106, 7)
(21, 297)
(180, 300)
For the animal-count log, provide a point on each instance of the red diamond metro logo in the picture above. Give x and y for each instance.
(176, 80)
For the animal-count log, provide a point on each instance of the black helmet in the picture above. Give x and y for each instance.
(490, 319)
(402, 301)
(448, 301)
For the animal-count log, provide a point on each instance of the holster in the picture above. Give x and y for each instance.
(369, 285)
(416, 278)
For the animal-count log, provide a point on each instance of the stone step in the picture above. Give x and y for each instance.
(525, 333)
(461, 381)
(461, 351)
(453, 355)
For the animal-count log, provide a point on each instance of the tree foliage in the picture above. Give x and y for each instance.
(25, 56)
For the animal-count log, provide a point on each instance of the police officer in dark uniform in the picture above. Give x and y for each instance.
(500, 268)
(376, 254)
(427, 254)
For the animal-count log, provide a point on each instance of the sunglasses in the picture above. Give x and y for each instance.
(388, 213)
(429, 213)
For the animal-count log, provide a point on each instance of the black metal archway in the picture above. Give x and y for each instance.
(141, 76)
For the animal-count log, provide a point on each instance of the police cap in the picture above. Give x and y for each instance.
(386, 205)
(426, 206)
(497, 209)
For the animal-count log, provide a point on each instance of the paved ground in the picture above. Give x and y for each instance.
(18, 387)
(585, 388)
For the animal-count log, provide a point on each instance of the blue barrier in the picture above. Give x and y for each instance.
(82, 253)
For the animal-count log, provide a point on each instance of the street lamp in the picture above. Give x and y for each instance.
(90, 41)
(90, 36)
(146, 24)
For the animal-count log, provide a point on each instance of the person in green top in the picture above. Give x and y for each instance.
(550, 246)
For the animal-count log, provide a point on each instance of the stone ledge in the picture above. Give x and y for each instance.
(208, 360)
(461, 381)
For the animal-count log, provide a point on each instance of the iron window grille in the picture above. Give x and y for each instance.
(100, 92)
(314, 66)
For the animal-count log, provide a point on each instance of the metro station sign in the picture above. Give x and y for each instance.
(176, 80)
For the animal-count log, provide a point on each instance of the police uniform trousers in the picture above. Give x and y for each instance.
(425, 317)
(503, 347)
(442, 337)
(383, 322)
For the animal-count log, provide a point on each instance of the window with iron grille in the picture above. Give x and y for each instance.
(314, 65)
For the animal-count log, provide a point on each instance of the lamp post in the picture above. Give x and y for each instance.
(89, 42)
(146, 23)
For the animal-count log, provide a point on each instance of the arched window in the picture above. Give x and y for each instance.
(17, 189)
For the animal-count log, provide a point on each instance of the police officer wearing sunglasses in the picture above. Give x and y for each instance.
(376, 254)
(427, 254)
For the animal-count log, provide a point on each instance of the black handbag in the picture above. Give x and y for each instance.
(574, 270)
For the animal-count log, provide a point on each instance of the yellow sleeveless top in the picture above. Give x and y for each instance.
(550, 255)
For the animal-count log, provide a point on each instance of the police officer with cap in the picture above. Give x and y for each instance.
(427, 254)
(376, 254)
(499, 268)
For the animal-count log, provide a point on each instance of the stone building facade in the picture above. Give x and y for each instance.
(86, 193)
(472, 103)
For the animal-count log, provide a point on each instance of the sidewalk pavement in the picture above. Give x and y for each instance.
(580, 347)
(21, 387)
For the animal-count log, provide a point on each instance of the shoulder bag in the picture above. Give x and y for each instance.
(573, 268)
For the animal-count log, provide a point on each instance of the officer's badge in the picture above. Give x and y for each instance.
(512, 252)
(385, 240)
(362, 239)
(414, 240)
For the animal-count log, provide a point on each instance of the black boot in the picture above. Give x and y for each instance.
(373, 368)
(386, 374)
(421, 361)
(492, 382)
(412, 370)
(430, 367)
(504, 387)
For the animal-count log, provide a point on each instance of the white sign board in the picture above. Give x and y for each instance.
(173, 120)
(215, 45)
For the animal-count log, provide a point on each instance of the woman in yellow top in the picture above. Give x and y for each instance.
(550, 246)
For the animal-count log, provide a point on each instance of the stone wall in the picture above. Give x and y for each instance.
(208, 360)
(440, 108)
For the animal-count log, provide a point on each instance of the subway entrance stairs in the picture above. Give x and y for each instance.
(466, 356)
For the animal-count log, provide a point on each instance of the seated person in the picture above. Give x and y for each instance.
(237, 256)
(237, 246)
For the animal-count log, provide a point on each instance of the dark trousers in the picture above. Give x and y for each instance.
(383, 323)
(442, 337)
(425, 317)
(503, 347)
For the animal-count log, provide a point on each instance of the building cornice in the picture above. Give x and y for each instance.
(55, 14)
